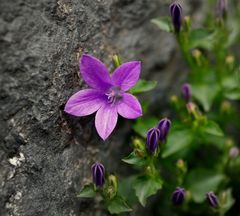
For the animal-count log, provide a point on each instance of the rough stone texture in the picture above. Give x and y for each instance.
(45, 155)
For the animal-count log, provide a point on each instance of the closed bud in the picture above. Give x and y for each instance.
(186, 92)
(233, 152)
(116, 61)
(112, 186)
(164, 126)
(230, 59)
(212, 199)
(152, 139)
(178, 196)
(222, 8)
(180, 164)
(138, 144)
(98, 174)
(176, 14)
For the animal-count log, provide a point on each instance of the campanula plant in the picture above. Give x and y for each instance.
(189, 160)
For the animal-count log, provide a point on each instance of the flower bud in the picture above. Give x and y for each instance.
(98, 174)
(212, 199)
(222, 8)
(164, 126)
(152, 139)
(233, 152)
(176, 14)
(178, 196)
(186, 92)
(116, 61)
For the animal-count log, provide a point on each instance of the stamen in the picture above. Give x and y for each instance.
(114, 94)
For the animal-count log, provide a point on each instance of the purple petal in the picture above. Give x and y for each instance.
(129, 107)
(106, 120)
(84, 102)
(127, 75)
(95, 73)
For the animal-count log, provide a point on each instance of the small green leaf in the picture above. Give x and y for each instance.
(87, 191)
(125, 189)
(233, 94)
(118, 205)
(201, 38)
(134, 159)
(143, 86)
(200, 181)
(177, 140)
(164, 23)
(146, 186)
(205, 94)
(142, 125)
(213, 128)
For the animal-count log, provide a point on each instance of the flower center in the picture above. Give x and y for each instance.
(114, 94)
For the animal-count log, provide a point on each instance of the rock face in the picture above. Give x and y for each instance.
(45, 155)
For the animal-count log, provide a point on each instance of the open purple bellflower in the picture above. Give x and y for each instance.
(107, 94)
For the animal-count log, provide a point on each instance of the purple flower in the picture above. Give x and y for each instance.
(106, 95)
(186, 92)
(178, 196)
(176, 14)
(98, 174)
(212, 199)
(153, 139)
(164, 126)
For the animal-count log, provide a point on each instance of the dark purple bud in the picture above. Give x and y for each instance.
(153, 139)
(186, 92)
(164, 126)
(176, 14)
(222, 8)
(98, 174)
(212, 199)
(178, 196)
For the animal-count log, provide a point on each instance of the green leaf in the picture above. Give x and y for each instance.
(118, 205)
(143, 86)
(164, 23)
(87, 191)
(233, 94)
(134, 159)
(201, 38)
(213, 128)
(142, 125)
(177, 140)
(205, 94)
(200, 181)
(146, 186)
(125, 189)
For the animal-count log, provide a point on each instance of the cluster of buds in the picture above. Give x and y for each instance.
(178, 197)
(158, 134)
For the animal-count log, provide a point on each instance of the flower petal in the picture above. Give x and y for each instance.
(129, 107)
(106, 120)
(95, 73)
(127, 75)
(84, 102)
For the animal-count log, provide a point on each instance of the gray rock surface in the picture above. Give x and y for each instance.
(45, 155)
